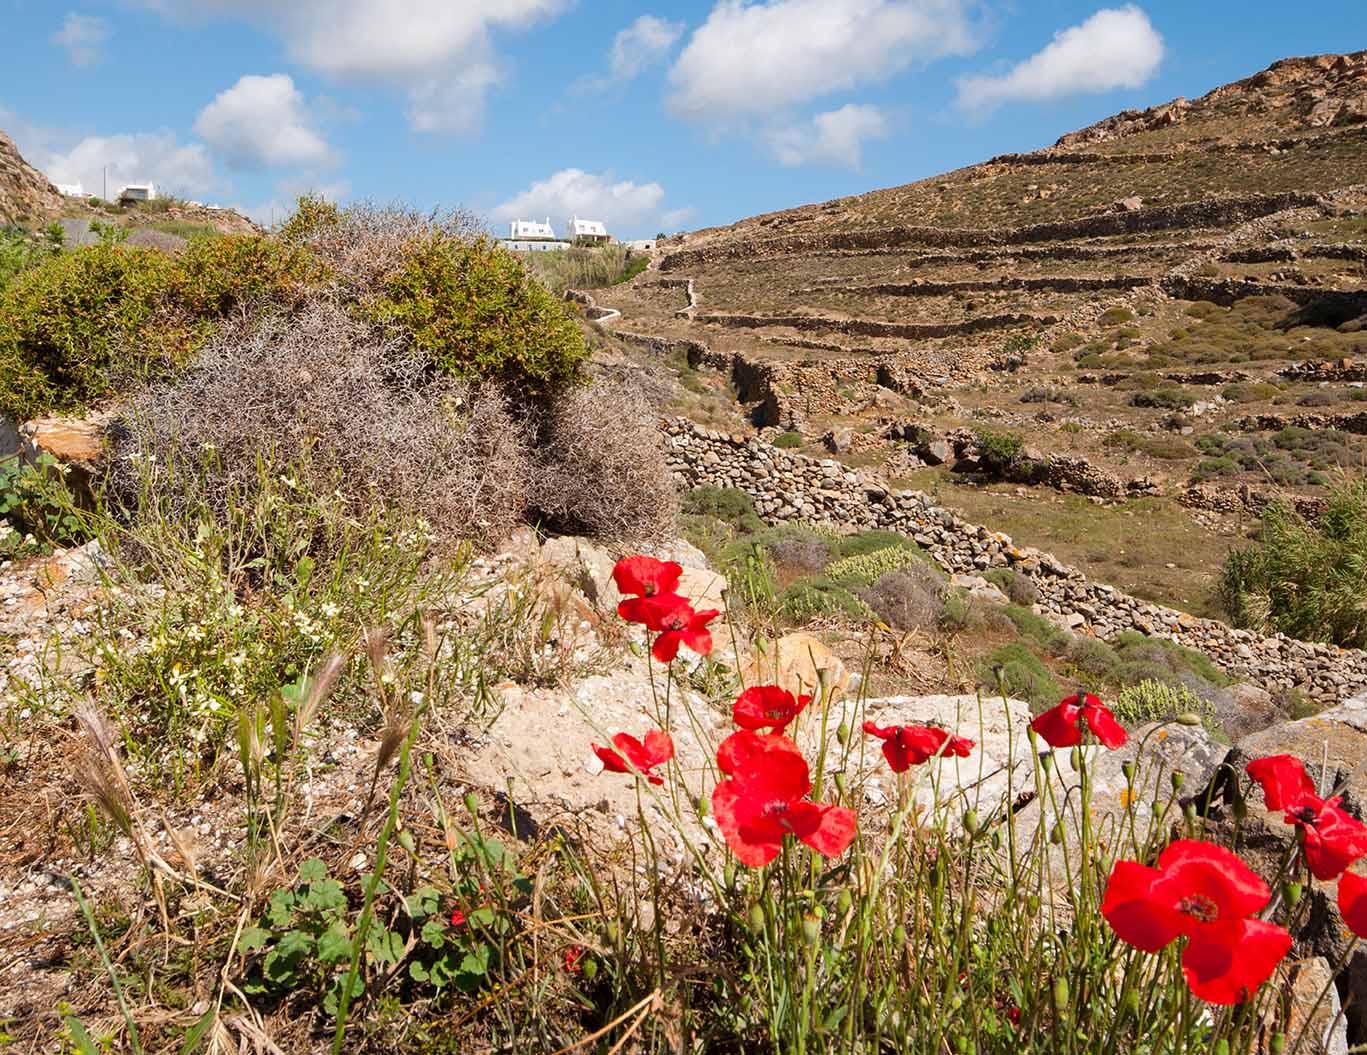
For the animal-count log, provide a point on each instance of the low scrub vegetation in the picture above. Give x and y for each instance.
(1302, 579)
(585, 267)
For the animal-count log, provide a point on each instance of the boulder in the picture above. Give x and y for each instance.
(937, 452)
(72, 441)
(794, 661)
(1245, 709)
(838, 440)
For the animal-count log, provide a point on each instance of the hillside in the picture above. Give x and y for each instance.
(25, 193)
(1167, 305)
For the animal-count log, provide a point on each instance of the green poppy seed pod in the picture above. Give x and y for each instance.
(899, 935)
(405, 838)
(1189, 718)
(1061, 997)
(1131, 1004)
(971, 822)
(1046, 762)
(1189, 812)
(1277, 1044)
(1075, 759)
(811, 928)
(755, 919)
(842, 733)
(1178, 778)
(590, 969)
(704, 805)
(1291, 893)
(1128, 768)
(728, 873)
(1056, 834)
(996, 839)
(1032, 904)
(472, 803)
(845, 901)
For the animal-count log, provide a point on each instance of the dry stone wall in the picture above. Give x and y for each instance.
(790, 487)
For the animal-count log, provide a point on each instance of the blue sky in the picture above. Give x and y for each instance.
(662, 116)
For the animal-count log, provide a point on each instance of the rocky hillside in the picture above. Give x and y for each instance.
(1169, 305)
(25, 193)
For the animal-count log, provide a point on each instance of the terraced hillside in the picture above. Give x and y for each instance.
(1169, 309)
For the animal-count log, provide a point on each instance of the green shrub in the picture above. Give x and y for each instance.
(724, 503)
(1067, 342)
(20, 252)
(1037, 629)
(864, 569)
(998, 451)
(809, 599)
(1163, 399)
(1023, 676)
(871, 542)
(1250, 391)
(912, 598)
(1115, 316)
(1018, 587)
(476, 312)
(1165, 656)
(1095, 659)
(1157, 701)
(788, 440)
(311, 214)
(1306, 580)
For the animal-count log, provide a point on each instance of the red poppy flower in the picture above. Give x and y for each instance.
(1333, 838)
(1353, 902)
(570, 959)
(683, 626)
(767, 706)
(458, 918)
(1059, 727)
(905, 746)
(646, 576)
(643, 757)
(765, 799)
(650, 611)
(1204, 893)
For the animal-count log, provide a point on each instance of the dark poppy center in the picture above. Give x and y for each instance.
(1199, 907)
(774, 712)
(675, 622)
(1305, 814)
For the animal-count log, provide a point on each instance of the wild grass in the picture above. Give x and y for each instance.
(585, 267)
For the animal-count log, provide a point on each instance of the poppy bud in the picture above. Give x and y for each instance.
(472, 803)
(1061, 997)
(971, 822)
(1188, 718)
(1221, 1047)
(1291, 893)
(840, 783)
(1056, 834)
(704, 805)
(405, 838)
(728, 873)
(842, 733)
(1189, 813)
(755, 919)
(1178, 778)
(899, 935)
(1277, 1044)
(1032, 904)
(811, 928)
(996, 839)
(961, 1045)
(1127, 767)
(610, 933)
(1131, 1004)
(844, 902)
(1075, 759)
(590, 969)
(1045, 760)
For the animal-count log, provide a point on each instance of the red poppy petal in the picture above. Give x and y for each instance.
(899, 759)
(834, 829)
(749, 850)
(612, 761)
(631, 749)
(1333, 842)
(1104, 727)
(646, 575)
(659, 747)
(666, 646)
(1193, 867)
(1226, 962)
(766, 706)
(1284, 781)
(1132, 910)
(960, 746)
(654, 612)
(873, 729)
(738, 750)
(1057, 726)
(1353, 902)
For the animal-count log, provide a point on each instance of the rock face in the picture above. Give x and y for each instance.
(25, 193)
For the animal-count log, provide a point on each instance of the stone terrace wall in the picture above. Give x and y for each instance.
(788, 487)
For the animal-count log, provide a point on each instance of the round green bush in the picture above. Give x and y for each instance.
(788, 440)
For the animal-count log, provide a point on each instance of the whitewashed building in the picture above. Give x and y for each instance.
(587, 232)
(70, 190)
(530, 236)
(136, 192)
(641, 245)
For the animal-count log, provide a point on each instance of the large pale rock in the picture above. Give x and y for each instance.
(72, 441)
(794, 661)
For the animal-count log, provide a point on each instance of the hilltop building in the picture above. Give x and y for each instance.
(587, 232)
(529, 236)
(137, 192)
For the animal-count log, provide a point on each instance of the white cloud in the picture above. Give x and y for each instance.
(175, 167)
(835, 137)
(642, 44)
(1115, 48)
(623, 205)
(440, 52)
(263, 121)
(673, 219)
(752, 59)
(83, 36)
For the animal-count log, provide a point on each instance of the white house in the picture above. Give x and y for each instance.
(587, 232)
(71, 190)
(641, 245)
(136, 192)
(531, 231)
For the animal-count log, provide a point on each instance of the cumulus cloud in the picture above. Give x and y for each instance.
(642, 44)
(623, 205)
(139, 157)
(263, 121)
(439, 52)
(835, 137)
(83, 36)
(751, 59)
(1115, 48)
